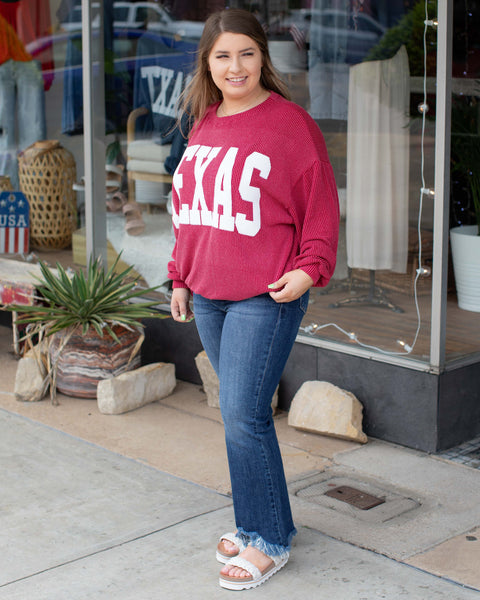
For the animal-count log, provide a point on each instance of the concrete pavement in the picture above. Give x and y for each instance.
(131, 506)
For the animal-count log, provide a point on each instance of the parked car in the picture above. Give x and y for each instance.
(138, 15)
(336, 35)
(74, 19)
(154, 17)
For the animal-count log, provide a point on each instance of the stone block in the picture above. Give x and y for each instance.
(136, 388)
(321, 407)
(30, 384)
(211, 385)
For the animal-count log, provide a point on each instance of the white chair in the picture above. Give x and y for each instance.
(145, 158)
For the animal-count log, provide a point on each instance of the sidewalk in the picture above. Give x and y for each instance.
(131, 506)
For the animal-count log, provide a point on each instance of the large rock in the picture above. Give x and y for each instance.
(30, 383)
(211, 384)
(137, 388)
(321, 407)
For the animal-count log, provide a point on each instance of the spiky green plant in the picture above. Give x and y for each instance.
(95, 299)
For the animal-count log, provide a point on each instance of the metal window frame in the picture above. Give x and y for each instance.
(442, 183)
(94, 137)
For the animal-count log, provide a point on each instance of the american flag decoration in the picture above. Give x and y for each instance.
(14, 223)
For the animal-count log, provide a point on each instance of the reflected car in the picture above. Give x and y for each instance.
(333, 35)
(138, 15)
(154, 17)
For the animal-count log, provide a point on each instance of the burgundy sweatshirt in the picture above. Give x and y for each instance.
(254, 197)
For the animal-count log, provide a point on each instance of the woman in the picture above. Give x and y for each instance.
(255, 213)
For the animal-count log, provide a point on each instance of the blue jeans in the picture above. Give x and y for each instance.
(22, 112)
(248, 343)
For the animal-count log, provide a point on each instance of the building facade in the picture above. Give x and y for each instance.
(394, 86)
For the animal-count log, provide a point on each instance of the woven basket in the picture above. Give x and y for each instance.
(47, 173)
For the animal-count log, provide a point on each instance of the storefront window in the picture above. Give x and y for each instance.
(359, 69)
(365, 70)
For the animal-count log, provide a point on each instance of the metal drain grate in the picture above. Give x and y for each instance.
(355, 497)
(338, 492)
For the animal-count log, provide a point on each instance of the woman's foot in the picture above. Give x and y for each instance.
(253, 555)
(250, 569)
(228, 547)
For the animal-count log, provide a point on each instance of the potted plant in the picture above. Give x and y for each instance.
(465, 168)
(89, 325)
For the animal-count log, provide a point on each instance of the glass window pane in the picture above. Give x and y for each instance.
(358, 70)
(42, 65)
(463, 308)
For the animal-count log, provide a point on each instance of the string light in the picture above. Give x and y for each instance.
(427, 191)
(404, 345)
(423, 108)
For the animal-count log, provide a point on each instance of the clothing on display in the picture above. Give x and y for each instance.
(160, 77)
(22, 102)
(378, 179)
(30, 19)
(11, 48)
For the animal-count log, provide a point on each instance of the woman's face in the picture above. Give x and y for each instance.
(235, 63)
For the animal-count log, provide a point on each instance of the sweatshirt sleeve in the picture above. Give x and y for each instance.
(316, 215)
(173, 273)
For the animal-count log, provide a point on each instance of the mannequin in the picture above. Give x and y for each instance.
(22, 101)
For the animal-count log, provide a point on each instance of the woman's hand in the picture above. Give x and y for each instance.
(291, 286)
(180, 305)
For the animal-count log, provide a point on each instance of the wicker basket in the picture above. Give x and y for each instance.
(47, 173)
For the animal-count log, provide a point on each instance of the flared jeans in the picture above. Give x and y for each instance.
(248, 343)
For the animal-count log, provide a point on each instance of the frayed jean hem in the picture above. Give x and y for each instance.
(254, 539)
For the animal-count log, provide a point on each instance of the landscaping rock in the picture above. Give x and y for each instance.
(136, 388)
(29, 380)
(211, 385)
(321, 407)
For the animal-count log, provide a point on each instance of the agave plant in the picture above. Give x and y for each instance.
(81, 301)
(95, 299)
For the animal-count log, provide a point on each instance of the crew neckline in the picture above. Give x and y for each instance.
(243, 112)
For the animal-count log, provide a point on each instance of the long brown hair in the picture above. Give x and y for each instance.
(202, 91)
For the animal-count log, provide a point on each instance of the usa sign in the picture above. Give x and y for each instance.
(14, 223)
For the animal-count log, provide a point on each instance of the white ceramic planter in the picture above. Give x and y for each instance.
(465, 245)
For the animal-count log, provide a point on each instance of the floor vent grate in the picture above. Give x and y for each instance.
(355, 497)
